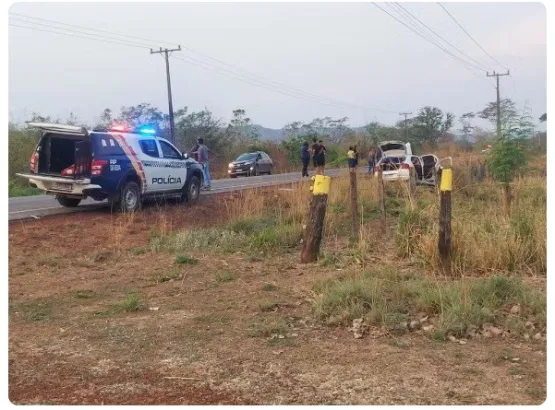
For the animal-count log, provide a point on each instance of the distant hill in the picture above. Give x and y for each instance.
(269, 133)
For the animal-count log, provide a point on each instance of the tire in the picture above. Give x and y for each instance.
(130, 199)
(233, 176)
(68, 202)
(271, 170)
(191, 192)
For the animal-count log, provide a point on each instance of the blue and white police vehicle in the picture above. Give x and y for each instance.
(122, 165)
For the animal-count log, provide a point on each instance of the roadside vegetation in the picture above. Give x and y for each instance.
(430, 130)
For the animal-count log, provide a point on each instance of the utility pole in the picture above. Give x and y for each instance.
(497, 75)
(406, 124)
(166, 52)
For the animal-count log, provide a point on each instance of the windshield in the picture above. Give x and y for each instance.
(246, 157)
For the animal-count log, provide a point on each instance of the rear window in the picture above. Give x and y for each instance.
(105, 144)
(391, 147)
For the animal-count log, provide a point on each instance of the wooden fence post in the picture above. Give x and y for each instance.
(381, 200)
(315, 224)
(444, 242)
(355, 217)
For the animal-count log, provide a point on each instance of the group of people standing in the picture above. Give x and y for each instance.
(318, 154)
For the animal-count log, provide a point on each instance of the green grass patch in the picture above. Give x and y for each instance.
(263, 235)
(184, 259)
(138, 251)
(17, 189)
(455, 304)
(225, 277)
(132, 302)
(35, 310)
(268, 329)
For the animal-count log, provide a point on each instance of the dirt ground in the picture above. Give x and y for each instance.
(230, 329)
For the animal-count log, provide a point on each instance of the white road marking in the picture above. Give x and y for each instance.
(33, 210)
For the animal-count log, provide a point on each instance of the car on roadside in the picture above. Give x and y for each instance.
(122, 165)
(251, 163)
(397, 163)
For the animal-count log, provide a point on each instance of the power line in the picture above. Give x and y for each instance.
(135, 43)
(441, 38)
(468, 34)
(157, 42)
(228, 73)
(435, 44)
(290, 89)
(73, 35)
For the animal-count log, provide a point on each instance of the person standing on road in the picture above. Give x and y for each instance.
(314, 151)
(305, 158)
(356, 156)
(202, 157)
(320, 158)
(371, 160)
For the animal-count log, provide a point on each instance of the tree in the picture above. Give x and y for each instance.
(36, 117)
(292, 130)
(72, 119)
(508, 111)
(104, 120)
(508, 157)
(242, 129)
(466, 124)
(142, 114)
(430, 125)
(379, 132)
(201, 124)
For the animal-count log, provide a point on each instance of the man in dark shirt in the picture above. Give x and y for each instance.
(314, 150)
(320, 158)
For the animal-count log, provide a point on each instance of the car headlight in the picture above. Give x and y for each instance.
(230, 165)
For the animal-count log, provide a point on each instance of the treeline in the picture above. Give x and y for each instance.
(425, 130)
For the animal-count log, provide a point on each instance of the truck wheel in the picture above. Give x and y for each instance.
(191, 192)
(68, 202)
(130, 200)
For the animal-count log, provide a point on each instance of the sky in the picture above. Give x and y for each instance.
(347, 59)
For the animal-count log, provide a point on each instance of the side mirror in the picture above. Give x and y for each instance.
(185, 155)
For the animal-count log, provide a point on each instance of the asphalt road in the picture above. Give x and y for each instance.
(42, 205)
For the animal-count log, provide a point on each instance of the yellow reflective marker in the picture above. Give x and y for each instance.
(321, 185)
(446, 180)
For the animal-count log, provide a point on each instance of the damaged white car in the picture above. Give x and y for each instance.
(397, 163)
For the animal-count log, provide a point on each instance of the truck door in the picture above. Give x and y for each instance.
(174, 164)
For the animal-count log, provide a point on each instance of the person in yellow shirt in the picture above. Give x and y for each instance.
(351, 157)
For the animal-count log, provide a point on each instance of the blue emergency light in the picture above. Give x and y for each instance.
(146, 130)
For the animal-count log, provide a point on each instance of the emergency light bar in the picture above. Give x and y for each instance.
(139, 130)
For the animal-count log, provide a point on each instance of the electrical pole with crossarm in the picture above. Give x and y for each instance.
(166, 52)
(497, 75)
(406, 126)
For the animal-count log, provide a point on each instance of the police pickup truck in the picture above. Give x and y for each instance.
(122, 165)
